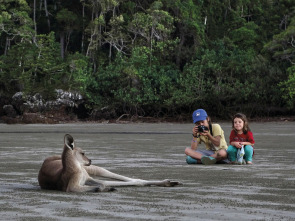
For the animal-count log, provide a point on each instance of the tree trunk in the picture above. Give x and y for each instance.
(179, 48)
(67, 41)
(35, 24)
(7, 45)
(110, 51)
(62, 44)
(47, 14)
(83, 28)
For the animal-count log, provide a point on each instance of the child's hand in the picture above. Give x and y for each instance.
(237, 145)
(195, 130)
(205, 133)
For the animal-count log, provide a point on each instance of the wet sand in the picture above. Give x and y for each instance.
(262, 191)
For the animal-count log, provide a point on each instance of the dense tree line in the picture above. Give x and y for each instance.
(153, 57)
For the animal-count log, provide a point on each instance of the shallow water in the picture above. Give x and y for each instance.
(263, 191)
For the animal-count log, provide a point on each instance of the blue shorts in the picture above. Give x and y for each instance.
(206, 152)
(209, 153)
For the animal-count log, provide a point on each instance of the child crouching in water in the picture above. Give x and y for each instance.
(240, 136)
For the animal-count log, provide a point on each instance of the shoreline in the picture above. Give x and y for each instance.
(121, 120)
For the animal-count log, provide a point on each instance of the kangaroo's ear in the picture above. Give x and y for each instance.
(69, 141)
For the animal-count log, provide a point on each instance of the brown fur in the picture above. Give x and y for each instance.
(71, 172)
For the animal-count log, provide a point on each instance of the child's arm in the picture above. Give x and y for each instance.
(250, 139)
(194, 143)
(214, 140)
(239, 144)
(246, 143)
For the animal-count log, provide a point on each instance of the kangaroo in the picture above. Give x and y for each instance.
(71, 172)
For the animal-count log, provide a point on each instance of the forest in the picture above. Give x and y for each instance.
(154, 58)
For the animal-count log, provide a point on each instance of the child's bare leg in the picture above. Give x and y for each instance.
(220, 155)
(188, 151)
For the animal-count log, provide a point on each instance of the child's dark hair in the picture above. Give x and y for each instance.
(243, 117)
(210, 124)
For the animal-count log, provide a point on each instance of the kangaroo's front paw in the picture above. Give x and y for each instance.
(110, 189)
(175, 183)
(103, 188)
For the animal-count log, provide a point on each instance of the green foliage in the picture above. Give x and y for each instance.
(282, 45)
(67, 20)
(288, 88)
(246, 36)
(153, 58)
(189, 29)
(132, 85)
(15, 22)
(38, 68)
(156, 24)
(44, 68)
(281, 49)
(79, 73)
(226, 77)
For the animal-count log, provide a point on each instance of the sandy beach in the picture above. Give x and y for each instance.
(262, 191)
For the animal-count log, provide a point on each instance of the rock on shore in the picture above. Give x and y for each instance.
(67, 106)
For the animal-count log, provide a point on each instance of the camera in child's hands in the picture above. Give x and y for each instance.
(202, 128)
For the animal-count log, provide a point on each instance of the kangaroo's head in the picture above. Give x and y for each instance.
(77, 153)
(81, 157)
